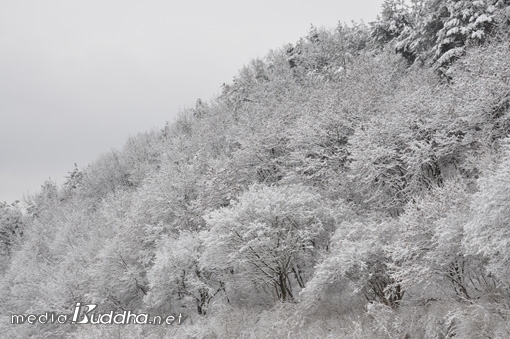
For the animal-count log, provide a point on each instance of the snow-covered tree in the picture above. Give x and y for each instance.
(176, 280)
(270, 237)
(428, 258)
(11, 230)
(487, 232)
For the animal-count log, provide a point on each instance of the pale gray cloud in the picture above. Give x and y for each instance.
(78, 77)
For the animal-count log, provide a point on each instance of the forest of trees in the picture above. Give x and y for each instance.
(354, 184)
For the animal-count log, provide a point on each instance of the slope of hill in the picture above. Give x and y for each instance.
(354, 184)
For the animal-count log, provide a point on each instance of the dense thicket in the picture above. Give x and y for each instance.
(354, 184)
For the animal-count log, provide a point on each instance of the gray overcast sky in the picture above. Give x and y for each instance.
(78, 77)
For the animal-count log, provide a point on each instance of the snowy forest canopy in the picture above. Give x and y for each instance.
(354, 184)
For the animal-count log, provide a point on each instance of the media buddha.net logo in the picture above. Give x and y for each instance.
(84, 314)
